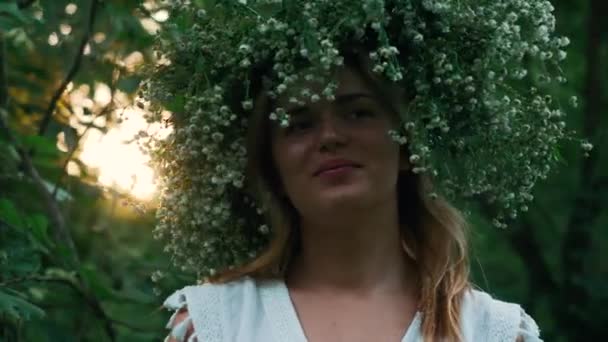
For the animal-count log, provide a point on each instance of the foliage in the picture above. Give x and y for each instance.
(90, 281)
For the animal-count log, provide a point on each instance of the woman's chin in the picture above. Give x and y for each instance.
(344, 198)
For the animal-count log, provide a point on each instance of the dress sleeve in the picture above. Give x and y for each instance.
(177, 302)
(528, 329)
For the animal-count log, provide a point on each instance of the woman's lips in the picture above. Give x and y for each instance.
(334, 164)
(337, 171)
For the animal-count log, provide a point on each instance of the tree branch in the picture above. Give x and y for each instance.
(73, 70)
(527, 246)
(60, 231)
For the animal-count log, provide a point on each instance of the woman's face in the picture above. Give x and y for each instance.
(351, 129)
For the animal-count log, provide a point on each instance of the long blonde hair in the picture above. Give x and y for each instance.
(433, 232)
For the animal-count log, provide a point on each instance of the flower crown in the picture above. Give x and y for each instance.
(481, 123)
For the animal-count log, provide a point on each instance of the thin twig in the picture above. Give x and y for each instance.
(4, 224)
(3, 77)
(105, 110)
(129, 325)
(73, 70)
(23, 4)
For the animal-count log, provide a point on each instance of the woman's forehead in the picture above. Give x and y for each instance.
(348, 82)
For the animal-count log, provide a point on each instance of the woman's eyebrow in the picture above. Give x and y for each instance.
(340, 99)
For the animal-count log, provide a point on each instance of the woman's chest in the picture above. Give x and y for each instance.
(343, 320)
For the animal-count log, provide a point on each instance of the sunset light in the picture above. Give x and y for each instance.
(117, 159)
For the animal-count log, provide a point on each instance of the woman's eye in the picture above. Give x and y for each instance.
(297, 126)
(361, 113)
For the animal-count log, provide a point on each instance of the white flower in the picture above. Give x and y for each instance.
(587, 146)
(418, 170)
(247, 105)
(264, 229)
(244, 48)
(378, 69)
(245, 63)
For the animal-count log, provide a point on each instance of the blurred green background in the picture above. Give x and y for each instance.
(77, 198)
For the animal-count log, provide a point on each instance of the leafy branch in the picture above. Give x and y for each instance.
(73, 69)
(91, 301)
(61, 233)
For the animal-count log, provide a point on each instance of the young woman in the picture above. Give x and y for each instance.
(361, 253)
(314, 146)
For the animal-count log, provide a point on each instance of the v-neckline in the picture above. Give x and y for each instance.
(286, 322)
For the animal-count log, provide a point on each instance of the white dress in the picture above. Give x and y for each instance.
(261, 311)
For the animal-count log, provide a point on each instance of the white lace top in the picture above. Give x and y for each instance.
(251, 311)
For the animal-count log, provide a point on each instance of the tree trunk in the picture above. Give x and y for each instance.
(577, 241)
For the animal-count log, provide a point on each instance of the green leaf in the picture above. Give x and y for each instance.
(61, 273)
(21, 39)
(42, 146)
(22, 259)
(16, 308)
(9, 214)
(38, 225)
(177, 104)
(98, 284)
(128, 84)
(11, 17)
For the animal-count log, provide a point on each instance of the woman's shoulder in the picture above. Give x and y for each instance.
(212, 293)
(484, 317)
(210, 305)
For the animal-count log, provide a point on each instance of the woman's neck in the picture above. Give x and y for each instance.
(359, 254)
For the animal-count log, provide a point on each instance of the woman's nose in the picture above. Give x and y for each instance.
(331, 132)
